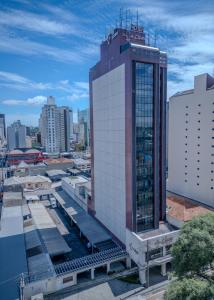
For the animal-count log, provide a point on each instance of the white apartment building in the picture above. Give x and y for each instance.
(55, 127)
(191, 142)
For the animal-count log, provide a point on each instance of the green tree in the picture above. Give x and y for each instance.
(193, 260)
(189, 289)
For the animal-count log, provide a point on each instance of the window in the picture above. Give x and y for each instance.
(197, 183)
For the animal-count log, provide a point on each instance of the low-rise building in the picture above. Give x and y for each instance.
(82, 164)
(78, 188)
(27, 183)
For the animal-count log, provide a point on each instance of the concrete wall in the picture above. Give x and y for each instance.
(109, 150)
(191, 143)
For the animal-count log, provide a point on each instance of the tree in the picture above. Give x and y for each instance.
(189, 289)
(193, 261)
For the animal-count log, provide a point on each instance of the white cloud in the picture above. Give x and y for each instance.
(73, 91)
(16, 81)
(35, 101)
(33, 22)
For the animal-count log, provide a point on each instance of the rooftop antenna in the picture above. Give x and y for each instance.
(137, 19)
(121, 17)
(155, 41)
(126, 20)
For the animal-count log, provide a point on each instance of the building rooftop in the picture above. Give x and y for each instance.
(61, 160)
(183, 208)
(12, 198)
(54, 242)
(206, 79)
(12, 252)
(55, 173)
(75, 180)
(81, 161)
(26, 179)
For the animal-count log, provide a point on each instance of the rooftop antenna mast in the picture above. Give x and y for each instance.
(137, 18)
(121, 18)
(155, 41)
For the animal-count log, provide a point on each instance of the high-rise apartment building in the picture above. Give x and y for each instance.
(128, 100)
(2, 129)
(84, 127)
(71, 123)
(16, 136)
(64, 128)
(54, 126)
(191, 142)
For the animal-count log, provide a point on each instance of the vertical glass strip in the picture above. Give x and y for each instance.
(144, 146)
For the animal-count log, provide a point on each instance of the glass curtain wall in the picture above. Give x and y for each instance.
(144, 74)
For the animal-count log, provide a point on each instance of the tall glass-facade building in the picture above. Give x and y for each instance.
(127, 111)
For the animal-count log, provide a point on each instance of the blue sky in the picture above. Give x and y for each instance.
(47, 47)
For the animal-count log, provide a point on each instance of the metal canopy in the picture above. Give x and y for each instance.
(89, 227)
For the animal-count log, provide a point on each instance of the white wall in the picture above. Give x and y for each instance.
(109, 150)
(177, 140)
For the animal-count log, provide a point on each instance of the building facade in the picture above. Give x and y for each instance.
(16, 136)
(191, 142)
(54, 126)
(127, 106)
(2, 129)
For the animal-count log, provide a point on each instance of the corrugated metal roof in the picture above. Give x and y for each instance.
(12, 252)
(90, 228)
(48, 232)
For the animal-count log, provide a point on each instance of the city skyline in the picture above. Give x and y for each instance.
(65, 37)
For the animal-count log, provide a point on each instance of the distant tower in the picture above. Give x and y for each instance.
(2, 129)
(16, 135)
